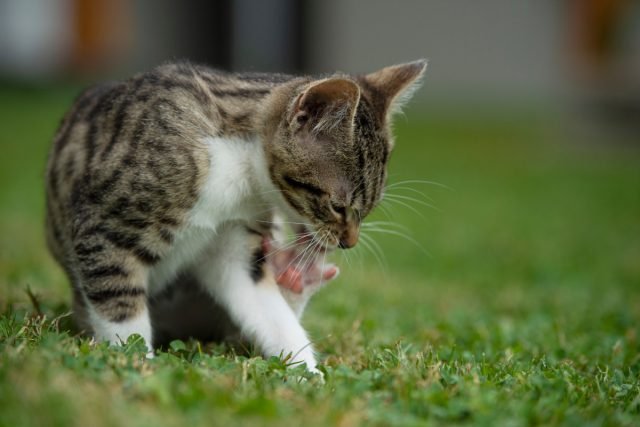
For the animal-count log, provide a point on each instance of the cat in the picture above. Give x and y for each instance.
(173, 174)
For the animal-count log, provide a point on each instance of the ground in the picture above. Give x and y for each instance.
(516, 301)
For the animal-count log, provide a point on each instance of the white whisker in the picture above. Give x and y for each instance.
(411, 189)
(419, 181)
(408, 206)
(367, 242)
(412, 199)
(397, 233)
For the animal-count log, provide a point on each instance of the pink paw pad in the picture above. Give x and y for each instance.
(294, 271)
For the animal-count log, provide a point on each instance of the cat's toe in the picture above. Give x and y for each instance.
(291, 279)
(321, 275)
(330, 272)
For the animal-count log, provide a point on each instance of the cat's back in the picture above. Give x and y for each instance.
(165, 110)
(170, 97)
(128, 153)
(128, 160)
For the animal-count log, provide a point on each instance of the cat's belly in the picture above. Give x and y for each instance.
(180, 305)
(190, 243)
(196, 245)
(185, 310)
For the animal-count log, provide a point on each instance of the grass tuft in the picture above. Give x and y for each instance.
(526, 312)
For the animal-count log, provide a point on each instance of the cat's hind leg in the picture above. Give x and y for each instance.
(113, 283)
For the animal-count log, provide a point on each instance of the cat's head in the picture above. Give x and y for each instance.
(329, 152)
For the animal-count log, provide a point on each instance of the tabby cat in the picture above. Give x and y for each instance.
(174, 177)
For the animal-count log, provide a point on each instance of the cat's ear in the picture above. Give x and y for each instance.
(326, 105)
(396, 84)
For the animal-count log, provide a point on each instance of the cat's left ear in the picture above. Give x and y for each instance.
(327, 105)
(396, 84)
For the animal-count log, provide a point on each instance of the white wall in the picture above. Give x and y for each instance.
(477, 49)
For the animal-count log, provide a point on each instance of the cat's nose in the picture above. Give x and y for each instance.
(349, 236)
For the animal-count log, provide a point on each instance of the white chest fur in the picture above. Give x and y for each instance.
(236, 189)
(237, 181)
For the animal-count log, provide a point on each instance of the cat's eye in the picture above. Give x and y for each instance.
(340, 210)
(302, 119)
(310, 188)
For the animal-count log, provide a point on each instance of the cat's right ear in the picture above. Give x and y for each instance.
(326, 105)
(396, 84)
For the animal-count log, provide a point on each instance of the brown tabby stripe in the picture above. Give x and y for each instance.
(304, 186)
(166, 235)
(362, 186)
(103, 295)
(83, 101)
(83, 250)
(122, 240)
(176, 111)
(292, 201)
(91, 231)
(69, 167)
(52, 221)
(118, 124)
(318, 212)
(168, 221)
(98, 192)
(256, 265)
(146, 256)
(243, 93)
(104, 271)
(136, 222)
(272, 79)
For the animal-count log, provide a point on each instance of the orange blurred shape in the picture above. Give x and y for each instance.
(102, 34)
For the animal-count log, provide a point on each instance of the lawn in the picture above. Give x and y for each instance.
(516, 301)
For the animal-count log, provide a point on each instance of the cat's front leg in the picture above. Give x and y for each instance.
(257, 307)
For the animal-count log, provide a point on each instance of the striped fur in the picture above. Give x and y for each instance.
(130, 163)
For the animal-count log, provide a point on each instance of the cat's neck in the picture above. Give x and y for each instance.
(246, 105)
(238, 186)
(246, 109)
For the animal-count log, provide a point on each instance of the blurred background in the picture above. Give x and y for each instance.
(529, 117)
(496, 51)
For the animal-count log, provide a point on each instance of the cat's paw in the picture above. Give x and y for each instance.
(306, 280)
(297, 272)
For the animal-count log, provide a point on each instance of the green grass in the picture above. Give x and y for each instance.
(526, 310)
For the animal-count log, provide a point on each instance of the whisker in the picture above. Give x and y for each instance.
(411, 189)
(386, 211)
(408, 206)
(299, 240)
(373, 224)
(346, 257)
(420, 181)
(397, 233)
(324, 259)
(304, 262)
(317, 254)
(318, 250)
(300, 255)
(412, 199)
(375, 244)
(367, 243)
